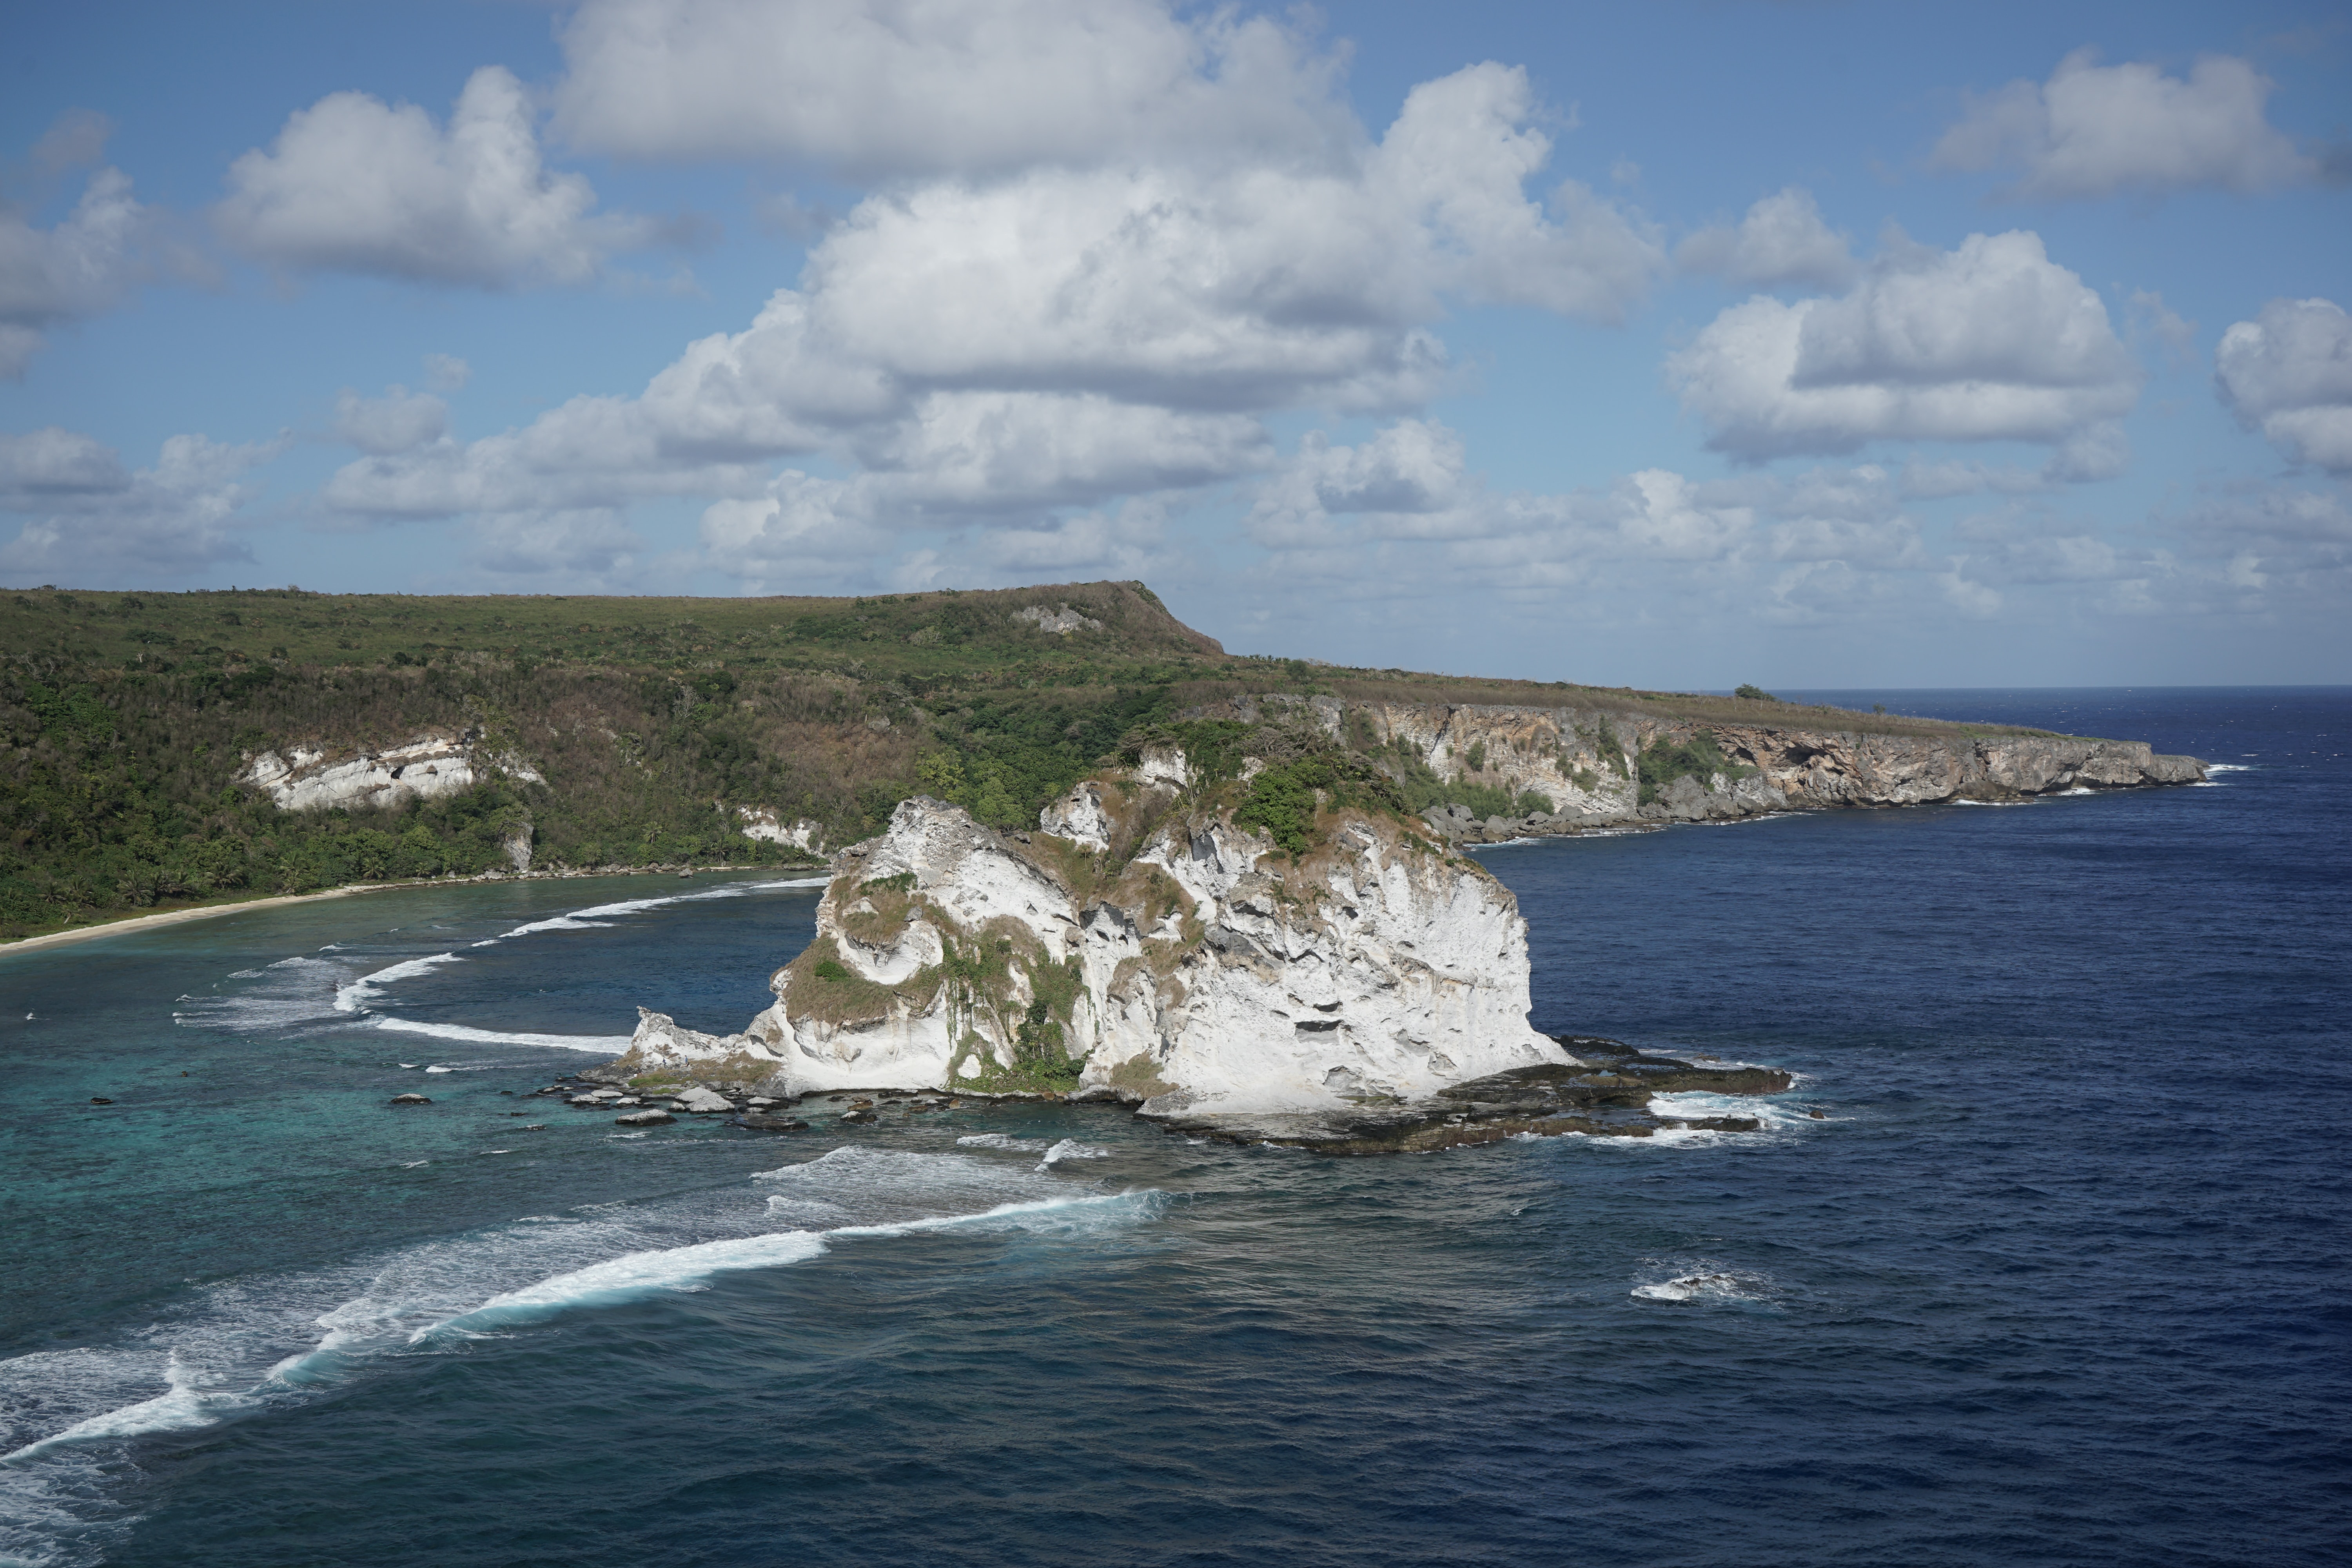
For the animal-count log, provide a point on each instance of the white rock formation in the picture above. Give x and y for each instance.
(762, 822)
(1063, 620)
(1187, 964)
(311, 778)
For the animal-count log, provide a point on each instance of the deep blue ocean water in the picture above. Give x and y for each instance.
(2061, 1278)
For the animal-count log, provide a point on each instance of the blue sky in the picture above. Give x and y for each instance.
(1679, 345)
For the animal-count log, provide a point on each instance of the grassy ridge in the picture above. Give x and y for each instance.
(125, 720)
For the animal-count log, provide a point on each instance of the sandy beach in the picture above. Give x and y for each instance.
(207, 911)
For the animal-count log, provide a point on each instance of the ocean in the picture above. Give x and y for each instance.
(2058, 1274)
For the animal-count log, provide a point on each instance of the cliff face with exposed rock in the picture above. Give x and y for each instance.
(1586, 763)
(1141, 946)
(424, 767)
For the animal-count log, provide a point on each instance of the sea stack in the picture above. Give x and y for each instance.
(1154, 942)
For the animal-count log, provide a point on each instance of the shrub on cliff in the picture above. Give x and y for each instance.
(1698, 757)
(1285, 799)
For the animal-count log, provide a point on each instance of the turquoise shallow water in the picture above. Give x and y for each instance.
(2059, 1277)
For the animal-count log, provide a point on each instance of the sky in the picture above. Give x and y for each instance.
(1678, 344)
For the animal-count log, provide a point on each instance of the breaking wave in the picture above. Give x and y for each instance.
(600, 916)
(605, 1045)
(243, 1347)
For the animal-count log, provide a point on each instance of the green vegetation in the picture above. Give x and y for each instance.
(1757, 694)
(981, 984)
(126, 719)
(1700, 757)
(1285, 799)
(1418, 787)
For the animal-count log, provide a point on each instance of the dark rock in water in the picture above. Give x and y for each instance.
(410, 1100)
(100, 1099)
(760, 1121)
(861, 1118)
(643, 1119)
(1547, 1100)
(1819, 1115)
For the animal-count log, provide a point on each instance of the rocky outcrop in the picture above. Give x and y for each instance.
(1603, 1090)
(1585, 764)
(1061, 620)
(762, 821)
(312, 777)
(1141, 947)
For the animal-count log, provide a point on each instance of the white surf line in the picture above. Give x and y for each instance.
(608, 1045)
(363, 1327)
(356, 996)
(184, 1408)
(598, 916)
(686, 1268)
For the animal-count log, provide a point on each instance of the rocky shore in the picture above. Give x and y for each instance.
(1604, 1089)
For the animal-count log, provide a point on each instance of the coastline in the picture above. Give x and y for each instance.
(206, 911)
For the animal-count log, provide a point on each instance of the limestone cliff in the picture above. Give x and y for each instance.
(317, 778)
(1586, 763)
(1142, 945)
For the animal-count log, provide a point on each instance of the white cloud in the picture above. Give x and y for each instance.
(76, 268)
(882, 87)
(92, 520)
(399, 421)
(55, 462)
(1782, 242)
(1972, 598)
(2092, 130)
(1068, 336)
(353, 184)
(1990, 341)
(591, 452)
(584, 551)
(1448, 177)
(1410, 476)
(2288, 373)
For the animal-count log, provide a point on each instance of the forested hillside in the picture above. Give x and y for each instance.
(126, 720)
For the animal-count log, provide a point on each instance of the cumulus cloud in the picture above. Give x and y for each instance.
(353, 184)
(590, 453)
(92, 520)
(583, 550)
(926, 87)
(1990, 341)
(1782, 242)
(2092, 130)
(76, 268)
(399, 421)
(54, 462)
(1410, 484)
(1069, 336)
(2288, 373)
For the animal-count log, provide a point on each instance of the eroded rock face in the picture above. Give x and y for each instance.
(313, 778)
(762, 822)
(1585, 763)
(1183, 962)
(1061, 619)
